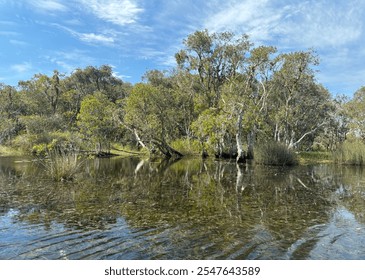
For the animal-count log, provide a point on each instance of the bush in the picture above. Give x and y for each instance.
(275, 153)
(41, 144)
(350, 152)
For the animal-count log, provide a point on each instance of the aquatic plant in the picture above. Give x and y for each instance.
(275, 153)
(62, 166)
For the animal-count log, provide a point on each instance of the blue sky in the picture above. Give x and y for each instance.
(133, 36)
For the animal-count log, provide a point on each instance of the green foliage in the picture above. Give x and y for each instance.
(351, 153)
(224, 96)
(274, 153)
(11, 108)
(212, 125)
(95, 119)
(315, 157)
(43, 143)
(154, 112)
(355, 110)
(38, 124)
(187, 146)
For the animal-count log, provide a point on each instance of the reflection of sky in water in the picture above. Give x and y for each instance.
(342, 238)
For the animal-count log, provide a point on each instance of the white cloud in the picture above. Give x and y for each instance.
(255, 17)
(48, 5)
(116, 74)
(119, 12)
(95, 38)
(323, 24)
(22, 67)
(105, 39)
(306, 23)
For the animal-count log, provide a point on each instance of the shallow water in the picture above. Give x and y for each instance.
(133, 209)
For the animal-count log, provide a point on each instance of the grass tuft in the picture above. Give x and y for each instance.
(274, 153)
(62, 166)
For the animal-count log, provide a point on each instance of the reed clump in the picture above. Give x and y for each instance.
(62, 166)
(350, 153)
(275, 153)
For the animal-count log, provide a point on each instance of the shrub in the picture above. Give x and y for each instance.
(350, 152)
(274, 153)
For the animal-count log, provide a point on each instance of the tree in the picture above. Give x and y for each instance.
(231, 78)
(150, 113)
(215, 58)
(84, 82)
(42, 93)
(355, 110)
(246, 96)
(96, 121)
(299, 106)
(10, 110)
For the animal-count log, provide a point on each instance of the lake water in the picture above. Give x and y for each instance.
(190, 209)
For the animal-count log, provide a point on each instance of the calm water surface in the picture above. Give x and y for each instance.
(190, 209)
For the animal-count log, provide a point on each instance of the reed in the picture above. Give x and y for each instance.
(62, 166)
(350, 153)
(274, 153)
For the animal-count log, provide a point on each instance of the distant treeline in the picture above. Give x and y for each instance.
(225, 98)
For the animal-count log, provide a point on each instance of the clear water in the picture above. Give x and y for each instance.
(133, 209)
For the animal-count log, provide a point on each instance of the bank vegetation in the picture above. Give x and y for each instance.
(226, 98)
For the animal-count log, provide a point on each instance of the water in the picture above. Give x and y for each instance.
(134, 209)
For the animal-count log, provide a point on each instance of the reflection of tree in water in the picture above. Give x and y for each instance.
(200, 208)
(291, 204)
(278, 201)
(351, 190)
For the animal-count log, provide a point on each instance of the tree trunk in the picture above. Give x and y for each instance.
(240, 153)
(166, 150)
(138, 138)
(251, 138)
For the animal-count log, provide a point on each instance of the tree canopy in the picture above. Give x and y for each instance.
(225, 97)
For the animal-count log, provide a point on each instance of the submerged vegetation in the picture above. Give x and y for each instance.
(224, 98)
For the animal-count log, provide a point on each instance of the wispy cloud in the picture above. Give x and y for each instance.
(48, 5)
(94, 38)
(70, 60)
(22, 67)
(309, 23)
(18, 43)
(323, 24)
(9, 33)
(255, 17)
(119, 12)
(106, 39)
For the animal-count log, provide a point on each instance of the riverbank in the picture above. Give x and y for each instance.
(306, 158)
(6, 151)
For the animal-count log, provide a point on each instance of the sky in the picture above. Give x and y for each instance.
(134, 36)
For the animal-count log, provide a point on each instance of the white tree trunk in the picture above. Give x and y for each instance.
(240, 152)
